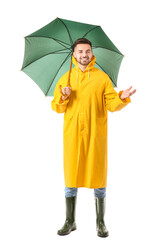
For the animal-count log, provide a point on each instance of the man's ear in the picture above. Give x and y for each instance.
(74, 54)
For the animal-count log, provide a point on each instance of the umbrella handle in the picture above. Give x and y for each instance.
(68, 82)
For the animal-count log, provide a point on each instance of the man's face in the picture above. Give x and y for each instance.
(83, 53)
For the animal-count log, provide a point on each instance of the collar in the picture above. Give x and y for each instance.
(89, 66)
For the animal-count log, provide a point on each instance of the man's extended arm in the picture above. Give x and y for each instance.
(116, 101)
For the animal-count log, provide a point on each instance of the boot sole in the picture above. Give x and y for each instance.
(62, 234)
(103, 235)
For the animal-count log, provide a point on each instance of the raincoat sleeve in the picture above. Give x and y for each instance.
(57, 103)
(112, 98)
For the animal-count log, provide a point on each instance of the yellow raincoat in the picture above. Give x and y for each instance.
(85, 124)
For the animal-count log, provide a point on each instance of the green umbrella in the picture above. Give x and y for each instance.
(48, 52)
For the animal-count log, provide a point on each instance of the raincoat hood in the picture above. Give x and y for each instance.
(88, 68)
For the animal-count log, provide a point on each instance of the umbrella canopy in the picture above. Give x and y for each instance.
(48, 52)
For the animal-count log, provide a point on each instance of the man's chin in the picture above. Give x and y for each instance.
(84, 63)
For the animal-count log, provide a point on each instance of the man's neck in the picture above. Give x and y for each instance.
(82, 67)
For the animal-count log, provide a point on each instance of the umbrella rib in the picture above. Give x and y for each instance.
(57, 73)
(98, 46)
(105, 72)
(57, 40)
(89, 31)
(67, 31)
(56, 52)
(108, 50)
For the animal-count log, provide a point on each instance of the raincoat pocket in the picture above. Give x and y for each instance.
(68, 116)
(68, 124)
(101, 127)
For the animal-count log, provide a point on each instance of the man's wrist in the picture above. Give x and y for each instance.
(64, 98)
(120, 95)
(122, 98)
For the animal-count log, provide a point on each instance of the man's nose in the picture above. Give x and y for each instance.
(84, 54)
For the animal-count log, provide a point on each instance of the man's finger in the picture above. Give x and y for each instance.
(129, 88)
(131, 93)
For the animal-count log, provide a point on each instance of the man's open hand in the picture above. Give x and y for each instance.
(127, 93)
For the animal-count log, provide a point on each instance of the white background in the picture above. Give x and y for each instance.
(32, 203)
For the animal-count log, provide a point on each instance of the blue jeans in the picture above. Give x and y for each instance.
(98, 192)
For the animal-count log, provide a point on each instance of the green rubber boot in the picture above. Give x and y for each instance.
(69, 224)
(100, 211)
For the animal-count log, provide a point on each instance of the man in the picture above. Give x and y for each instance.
(86, 105)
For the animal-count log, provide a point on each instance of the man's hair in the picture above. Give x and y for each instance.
(80, 41)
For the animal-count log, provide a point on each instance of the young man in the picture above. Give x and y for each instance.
(86, 105)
